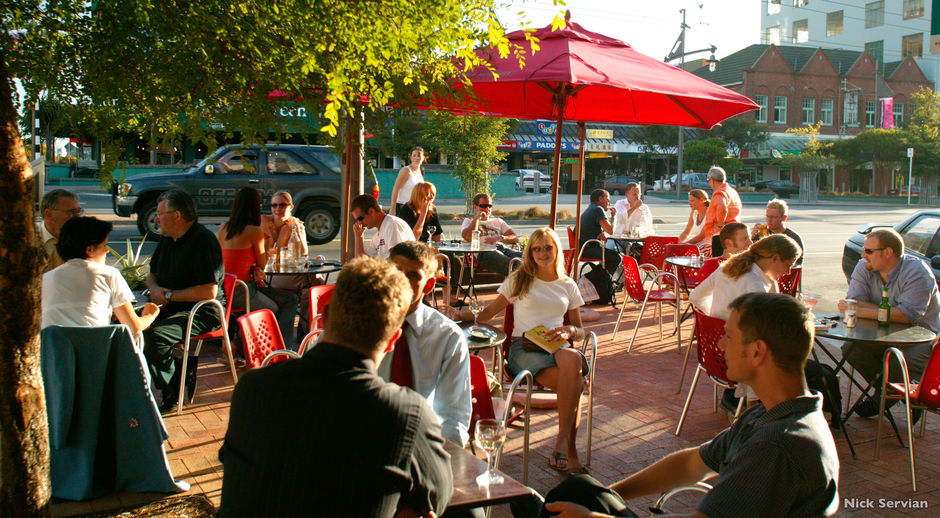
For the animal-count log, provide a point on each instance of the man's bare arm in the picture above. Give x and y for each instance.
(681, 468)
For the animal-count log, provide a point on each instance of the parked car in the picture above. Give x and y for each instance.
(617, 185)
(526, 180)
(921, 239)
(312, 175)
(781, 188)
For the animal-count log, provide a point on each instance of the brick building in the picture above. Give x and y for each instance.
(797, 86)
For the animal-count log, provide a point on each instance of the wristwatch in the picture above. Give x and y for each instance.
(168, 294)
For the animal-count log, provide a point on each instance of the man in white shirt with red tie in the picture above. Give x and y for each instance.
(434, 359)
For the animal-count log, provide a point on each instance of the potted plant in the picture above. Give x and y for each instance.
(131, 267)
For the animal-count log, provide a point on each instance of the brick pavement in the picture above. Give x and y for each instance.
(635, 415)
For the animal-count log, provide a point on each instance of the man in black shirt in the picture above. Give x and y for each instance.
(594, 225)
(777, 214)
(185, 268)
(361, 446)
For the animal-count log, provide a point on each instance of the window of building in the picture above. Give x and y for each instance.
(876, 49)
(825, 108)
(800, 31)
(898, 114)
(809, 110)
(850, 110)
(869, 114)
(912, 45)
(773, 35)
(761, 101)
(874, 14)
(800, 3)
(780, 109)
(834, 23)
(913, 9)
(773, 6)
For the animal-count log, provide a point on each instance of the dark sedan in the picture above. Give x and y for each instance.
(781, 188)
(921, 239)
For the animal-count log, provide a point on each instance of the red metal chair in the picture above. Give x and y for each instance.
(688, 277)
(228, 285)
(571, 241)
(487, 406)
(710, 266)
(636, 291)
(442, 277)
(711, 360)
(924, 396)
(319, 298)
(260, 337)
(588, 349)
(790, 283)
(654, 251)
(581, 259)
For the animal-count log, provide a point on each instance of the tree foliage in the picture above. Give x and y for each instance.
(472, 141)
(741, 133)
(699, 155)
(658, 142)
(883, 147)
(815, 154)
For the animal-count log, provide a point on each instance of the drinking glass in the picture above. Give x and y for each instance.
(431, 230)
(490, 434)
(810, 300)
(475, 307)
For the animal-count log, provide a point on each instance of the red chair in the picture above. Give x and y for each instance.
(260, 338)
(924, 396)
(228, 285)
(654, 251)
(688, 277)
(571, 241)
(588, 349)
(319, 298)
(581, 259)
(569, 261)
(711, 360)
(710, 266)
(487, 406)
(790, 283)
(442, 277)
(636, 291)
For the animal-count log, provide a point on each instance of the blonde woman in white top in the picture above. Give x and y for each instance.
(408, 177)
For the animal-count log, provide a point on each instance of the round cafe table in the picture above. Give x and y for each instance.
(624, 241)
(494, 339)
(313, 267)
(456, 247)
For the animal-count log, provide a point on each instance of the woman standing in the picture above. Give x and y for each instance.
(420, 214)
(542, 294)
(243, 252)
(408, 177)
(698, 202)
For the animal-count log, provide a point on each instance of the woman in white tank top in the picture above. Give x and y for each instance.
(408, 177)
(698, 202)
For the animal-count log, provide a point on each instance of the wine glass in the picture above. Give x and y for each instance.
(475, 307)
(810, 299)
(431, 230)
(490, 434)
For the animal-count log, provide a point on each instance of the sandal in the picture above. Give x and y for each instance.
(558, 461)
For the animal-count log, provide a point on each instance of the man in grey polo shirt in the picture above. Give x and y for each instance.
(777, 459)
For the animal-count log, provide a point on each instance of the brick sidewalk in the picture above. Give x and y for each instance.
(635, 415)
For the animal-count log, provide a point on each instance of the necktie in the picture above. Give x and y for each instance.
(401, 361)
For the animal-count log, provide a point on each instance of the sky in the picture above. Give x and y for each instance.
(652, 26)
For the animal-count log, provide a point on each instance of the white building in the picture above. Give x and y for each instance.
(888, 30)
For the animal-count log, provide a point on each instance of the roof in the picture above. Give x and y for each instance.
(731, 68)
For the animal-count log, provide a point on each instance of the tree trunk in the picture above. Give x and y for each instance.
(24, 441)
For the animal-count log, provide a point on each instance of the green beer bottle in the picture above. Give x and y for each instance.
(884, 309)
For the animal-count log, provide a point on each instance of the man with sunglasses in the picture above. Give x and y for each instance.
(493, 231)
(367, 213)
(58, 206)
(912, 292)
(776, 217)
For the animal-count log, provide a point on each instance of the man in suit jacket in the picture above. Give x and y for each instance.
(324, 434)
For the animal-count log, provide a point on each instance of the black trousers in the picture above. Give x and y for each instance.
(586, 491)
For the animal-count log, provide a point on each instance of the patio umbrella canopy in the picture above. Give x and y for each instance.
(580, 75)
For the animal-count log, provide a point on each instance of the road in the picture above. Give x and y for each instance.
(823, 227)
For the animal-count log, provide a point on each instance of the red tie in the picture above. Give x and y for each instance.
(401, 362)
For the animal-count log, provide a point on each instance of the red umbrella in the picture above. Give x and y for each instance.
(582, 76)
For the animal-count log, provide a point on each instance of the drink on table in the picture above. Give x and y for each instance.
(475, 240)
(851, 312)
(490, 434)
(884, 309)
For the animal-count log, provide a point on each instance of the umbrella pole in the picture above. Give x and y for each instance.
(561, 98)
(577, 215)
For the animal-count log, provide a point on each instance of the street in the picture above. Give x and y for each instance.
(824, 228)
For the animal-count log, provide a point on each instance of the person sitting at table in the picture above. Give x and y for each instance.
(594, 225)
(367, 448)
(367, 213)
(84, 291)
(912, 292)
(725, 206)
(777, 213)
(243, 253)
(431, 356)
(542, 294)
(421, 214)
(734, 239)
(58, 206)
(493, 231)
(185, 268)
(692, 234)
(278, 226)
(777, 459)
(755, 270)
(631, 212)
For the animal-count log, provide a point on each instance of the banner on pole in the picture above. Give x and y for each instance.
(887, 113)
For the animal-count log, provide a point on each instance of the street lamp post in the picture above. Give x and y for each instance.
(678, 52)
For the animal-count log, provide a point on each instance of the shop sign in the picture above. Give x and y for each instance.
(600, 133)
(508, 144)
(570, 160)
(597, 155)
(546, 127)
(599, 146)
(545, 146)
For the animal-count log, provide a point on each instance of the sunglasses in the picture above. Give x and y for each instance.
(870, 251)
(361, 217)
(276, 205)
(546, 248)
(485, 205)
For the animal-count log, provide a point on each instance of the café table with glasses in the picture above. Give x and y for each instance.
(864, 331)
(624, 241)
(460, 248)
(308, 269)
(477, 483)
(481, 337)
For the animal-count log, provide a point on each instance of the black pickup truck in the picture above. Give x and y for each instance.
(311, 174)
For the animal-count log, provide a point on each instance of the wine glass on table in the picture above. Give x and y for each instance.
(431, 230)
(810, 299)
(475, 307)
(490, 434)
